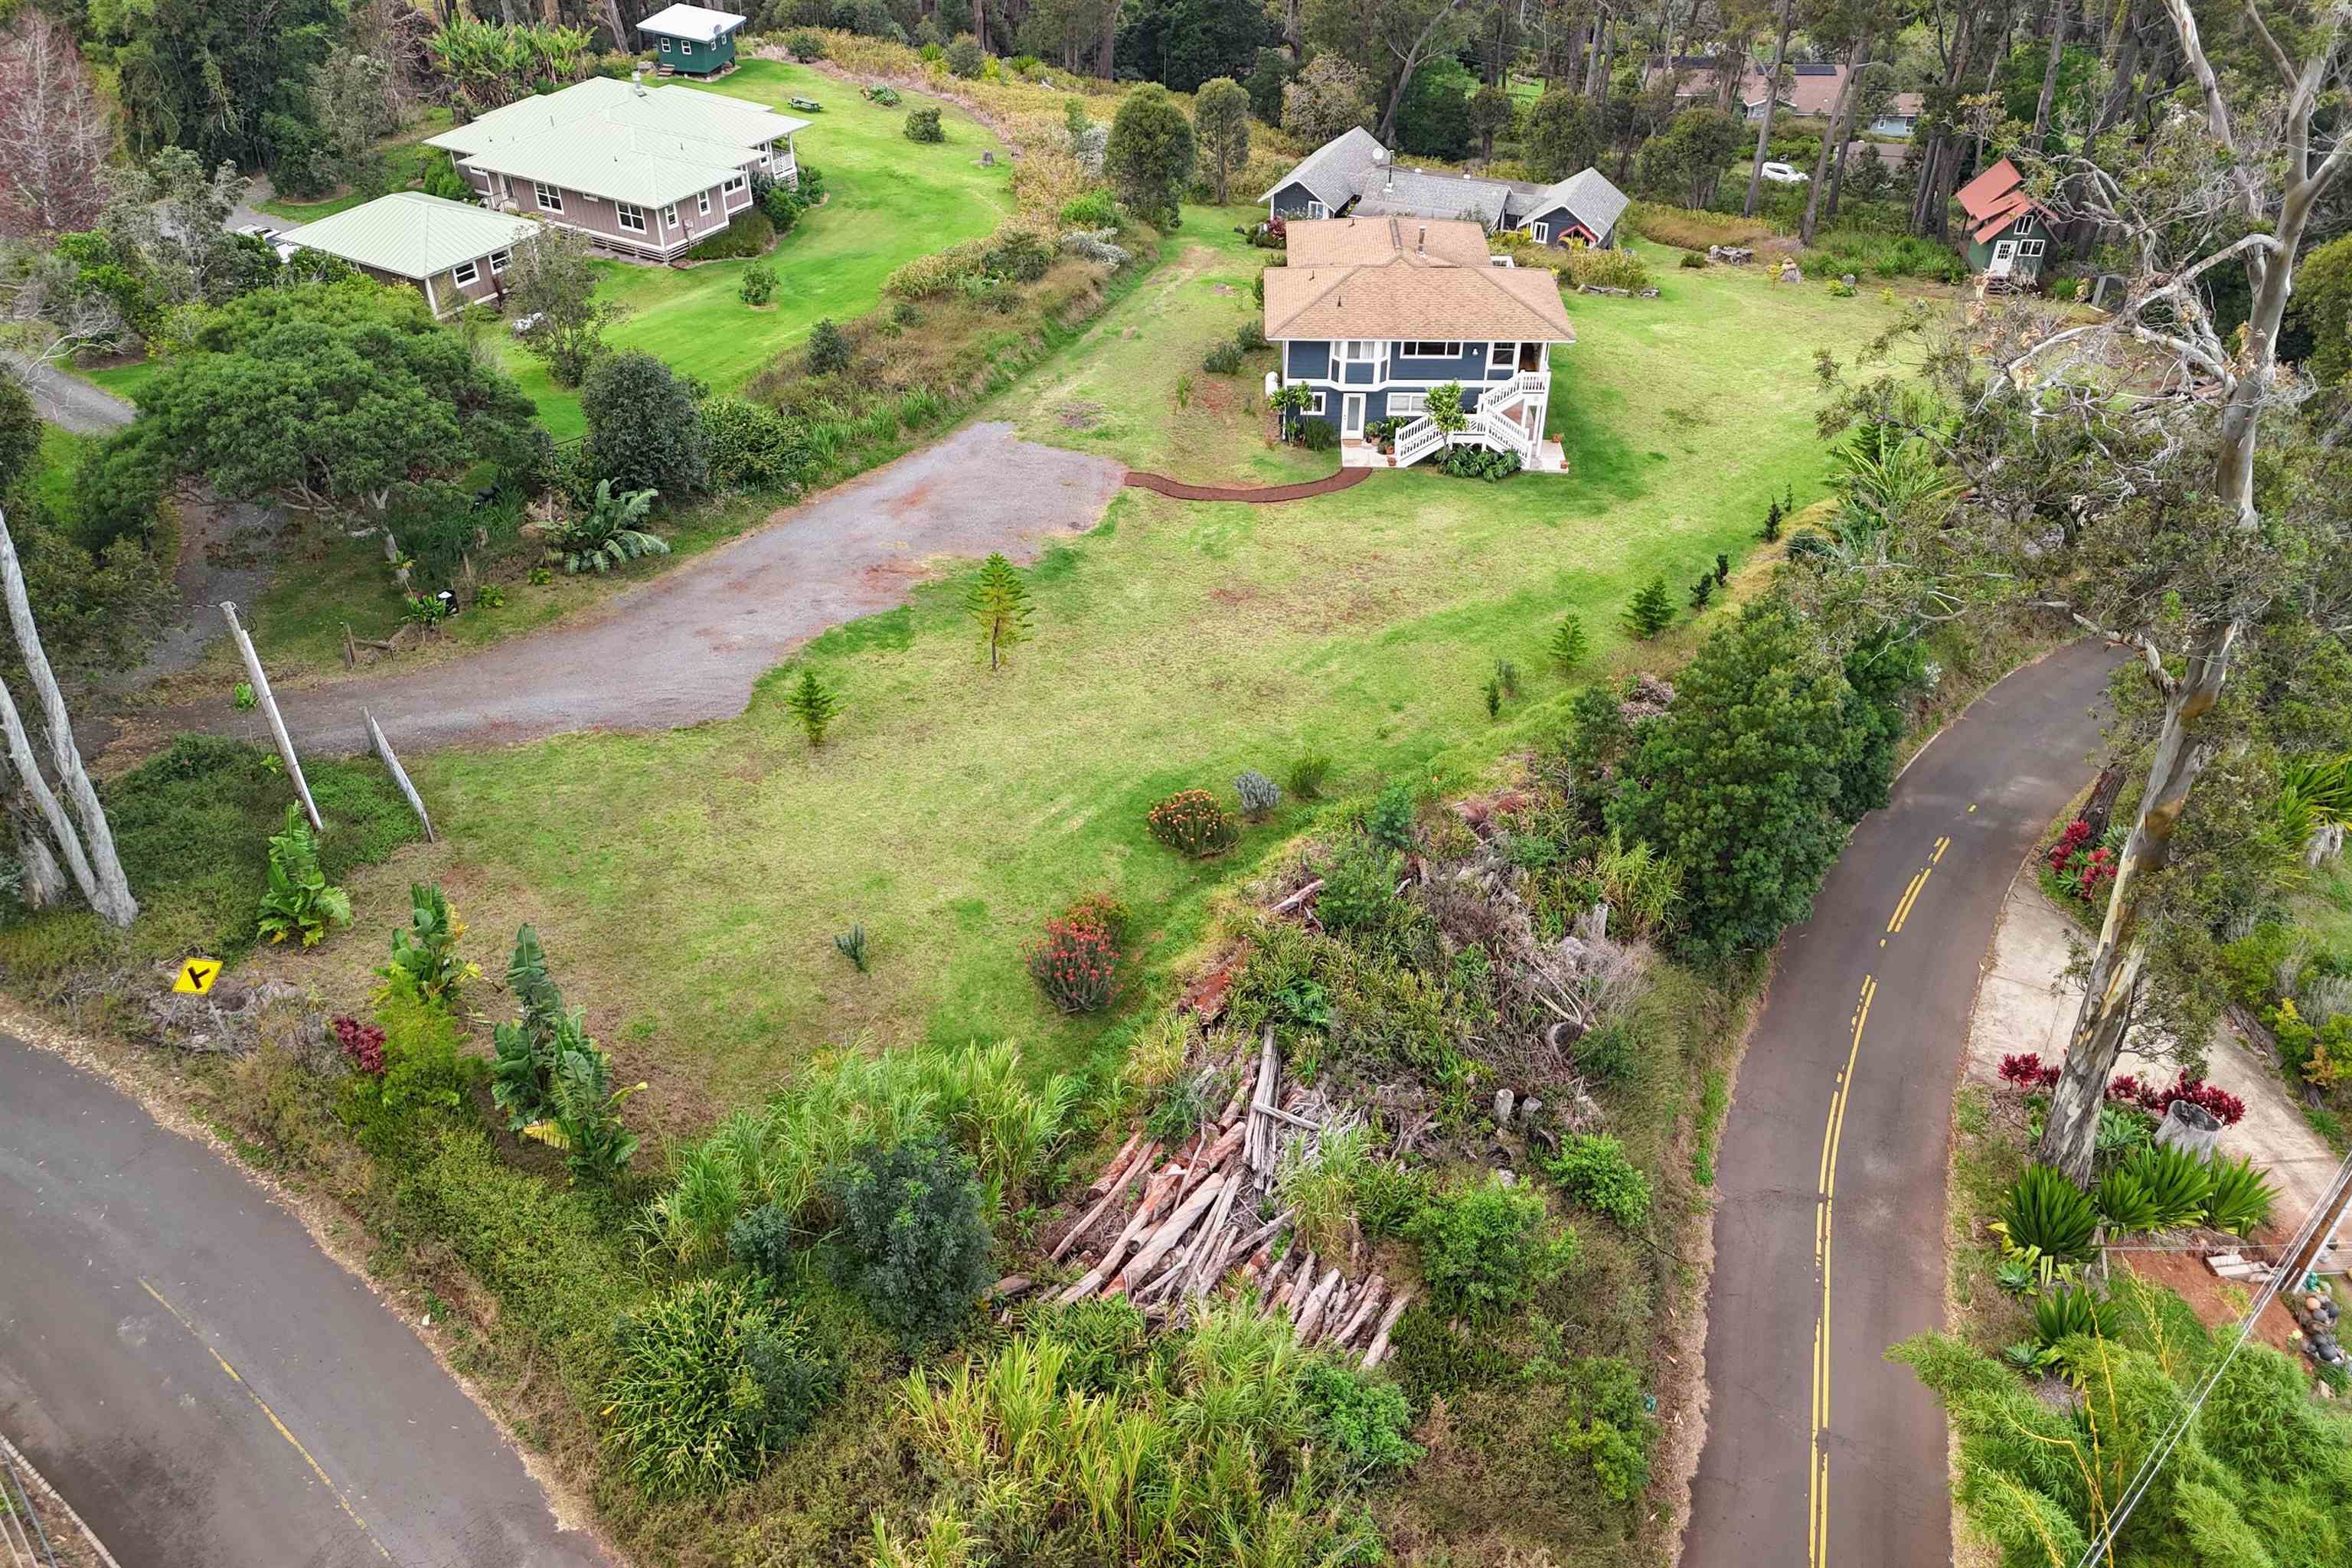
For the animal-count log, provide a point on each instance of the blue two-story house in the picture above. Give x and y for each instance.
(1371, 313)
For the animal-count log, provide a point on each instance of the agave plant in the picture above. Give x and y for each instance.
(2241, 1198)
(607, 534)
(2062, 1314)
(2314, 794)
(2123, 1201)
(2176, 1183)
(2045, 1210)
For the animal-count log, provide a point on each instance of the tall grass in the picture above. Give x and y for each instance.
(783, 1154)
(1883, 255)
(1323, 1189)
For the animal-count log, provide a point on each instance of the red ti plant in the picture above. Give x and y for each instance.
(363, 1044)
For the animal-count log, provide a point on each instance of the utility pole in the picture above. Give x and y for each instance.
(2291, 1274)
(268, 705)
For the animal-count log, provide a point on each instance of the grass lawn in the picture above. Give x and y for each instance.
(405, 156)
(891, 200)
(689, 884)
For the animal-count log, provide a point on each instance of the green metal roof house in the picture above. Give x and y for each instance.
(692, 40)
(452, 252)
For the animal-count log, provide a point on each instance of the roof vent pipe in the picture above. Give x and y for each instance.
(1422, 245)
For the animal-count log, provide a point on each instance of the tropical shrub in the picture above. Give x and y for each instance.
(1321, 1191)
(2071, 1311)
(1485, 1248)
(763, 1240)
(1610, 1427)
(749, 233)
(1307, 774)
(1479, 463)
(1192, 822)
(2045, 1210)
(425, 954)
(814, 704)
(298, 901)
(965, 58)
(1081, 962)
(1358, 885)
(1318, 434)
(2175, 1182)
(2124, 1202)
(1097, 208)
(524, 1052)
(1361, 1421)
(828, 349)
(2024, 1070)
(362, 1045)
(1569, 644)
(1390, 819)
(796, 1374)
(584, 1114)
(1608, 1052)
(2240, 1199)
(1223, 359)
(923, 125)
(912, 1216)
(1592, 1169)
(753, 447)
(1259, 794)
(684, 1409)
(757, 285)
(606, 535)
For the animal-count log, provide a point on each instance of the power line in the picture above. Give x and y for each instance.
(2321, 1214)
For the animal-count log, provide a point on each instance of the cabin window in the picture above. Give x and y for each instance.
(631, 218)
(1315, 404)
(702, 203)
(734, 184)
(2026, 248)
(1542, 231)
(501, 260)
(669, 216)
(1432, 350)
(1316, 209)
(465, 272)
(549, 199)
(665, 45)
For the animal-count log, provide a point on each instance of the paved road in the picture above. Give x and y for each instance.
(69, 402)
(204, 1384)
(1821, 1241)
(689, 645)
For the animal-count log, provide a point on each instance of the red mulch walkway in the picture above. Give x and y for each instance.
(1165, 486)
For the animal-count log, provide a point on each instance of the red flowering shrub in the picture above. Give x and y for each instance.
(2024, 1070)
(2082, 869)
(1080, 961)
(1192, 822)
(2070, 844)
(363, 1044)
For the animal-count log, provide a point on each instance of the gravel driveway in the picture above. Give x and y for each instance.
(69, 402)
(688, 645)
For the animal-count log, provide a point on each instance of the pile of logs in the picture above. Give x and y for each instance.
(1192, 1221)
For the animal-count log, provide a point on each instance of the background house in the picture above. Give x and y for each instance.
(1369, 313)
(692, 40)
(1812, 87)
(2009, 231)
(1353, 174)
(648, 171)
(1901, 115)
(451, 252)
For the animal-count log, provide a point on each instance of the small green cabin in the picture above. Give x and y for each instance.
(2008, 230)
(692, 40)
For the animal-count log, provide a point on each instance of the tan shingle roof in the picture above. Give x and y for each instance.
(1380, 278)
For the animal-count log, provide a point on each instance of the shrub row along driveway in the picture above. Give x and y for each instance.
(689, 645)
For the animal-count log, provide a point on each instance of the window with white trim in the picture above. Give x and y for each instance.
(1316, 209)
(1315, 404)
(1542, 231)
(501, 260)
(665, 45)
(734, 184)
(1432, 350)
(1403, 403)
(670, 216)
(1359, 351)
(702, 203)
(1502, 356)
(629, 218)
(2030, 247)
(465, 272)
(551, 200)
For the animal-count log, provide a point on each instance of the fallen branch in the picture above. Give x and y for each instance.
(1171, 1232)
(1311, 1315)
(1373, 1288)
(1379, 1346)
(1297, 897)
(1110, 1196)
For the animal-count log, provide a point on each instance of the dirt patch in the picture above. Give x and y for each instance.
(2218, 1302)
(1077, 416)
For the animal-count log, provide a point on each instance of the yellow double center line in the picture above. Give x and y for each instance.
(1817, 1478)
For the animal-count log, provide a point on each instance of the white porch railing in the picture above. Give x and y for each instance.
(1505, 432)
(1417, 440)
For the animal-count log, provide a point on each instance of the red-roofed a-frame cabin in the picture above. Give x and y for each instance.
(2008, 230)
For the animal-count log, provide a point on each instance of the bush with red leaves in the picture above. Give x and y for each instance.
(363, 1044)
(2025, 1070)
(2154, 1098)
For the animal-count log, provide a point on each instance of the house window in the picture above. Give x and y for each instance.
(669, 216)
(501, 260)
(665, 45)
(2030, 247)
(1359, 351)
(1432, 350)
(702, 203)
(1403, 403)
(549, 200)
(1542, 231)
(465, 272)
(1315, 404)
(631, 218)
(1316, 209)
(1502, 356)
(734, 184)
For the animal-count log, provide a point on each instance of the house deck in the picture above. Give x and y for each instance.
(1550, 457)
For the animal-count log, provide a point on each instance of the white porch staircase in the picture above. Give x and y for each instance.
(1494, 423)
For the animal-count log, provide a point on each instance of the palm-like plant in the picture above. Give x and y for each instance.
(2314, 794)
(1883, 476)
(607, 534)
(2045, 1210)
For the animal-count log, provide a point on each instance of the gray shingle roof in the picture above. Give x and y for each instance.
(1338, 170)
(1411, 193)
(1597, 204)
